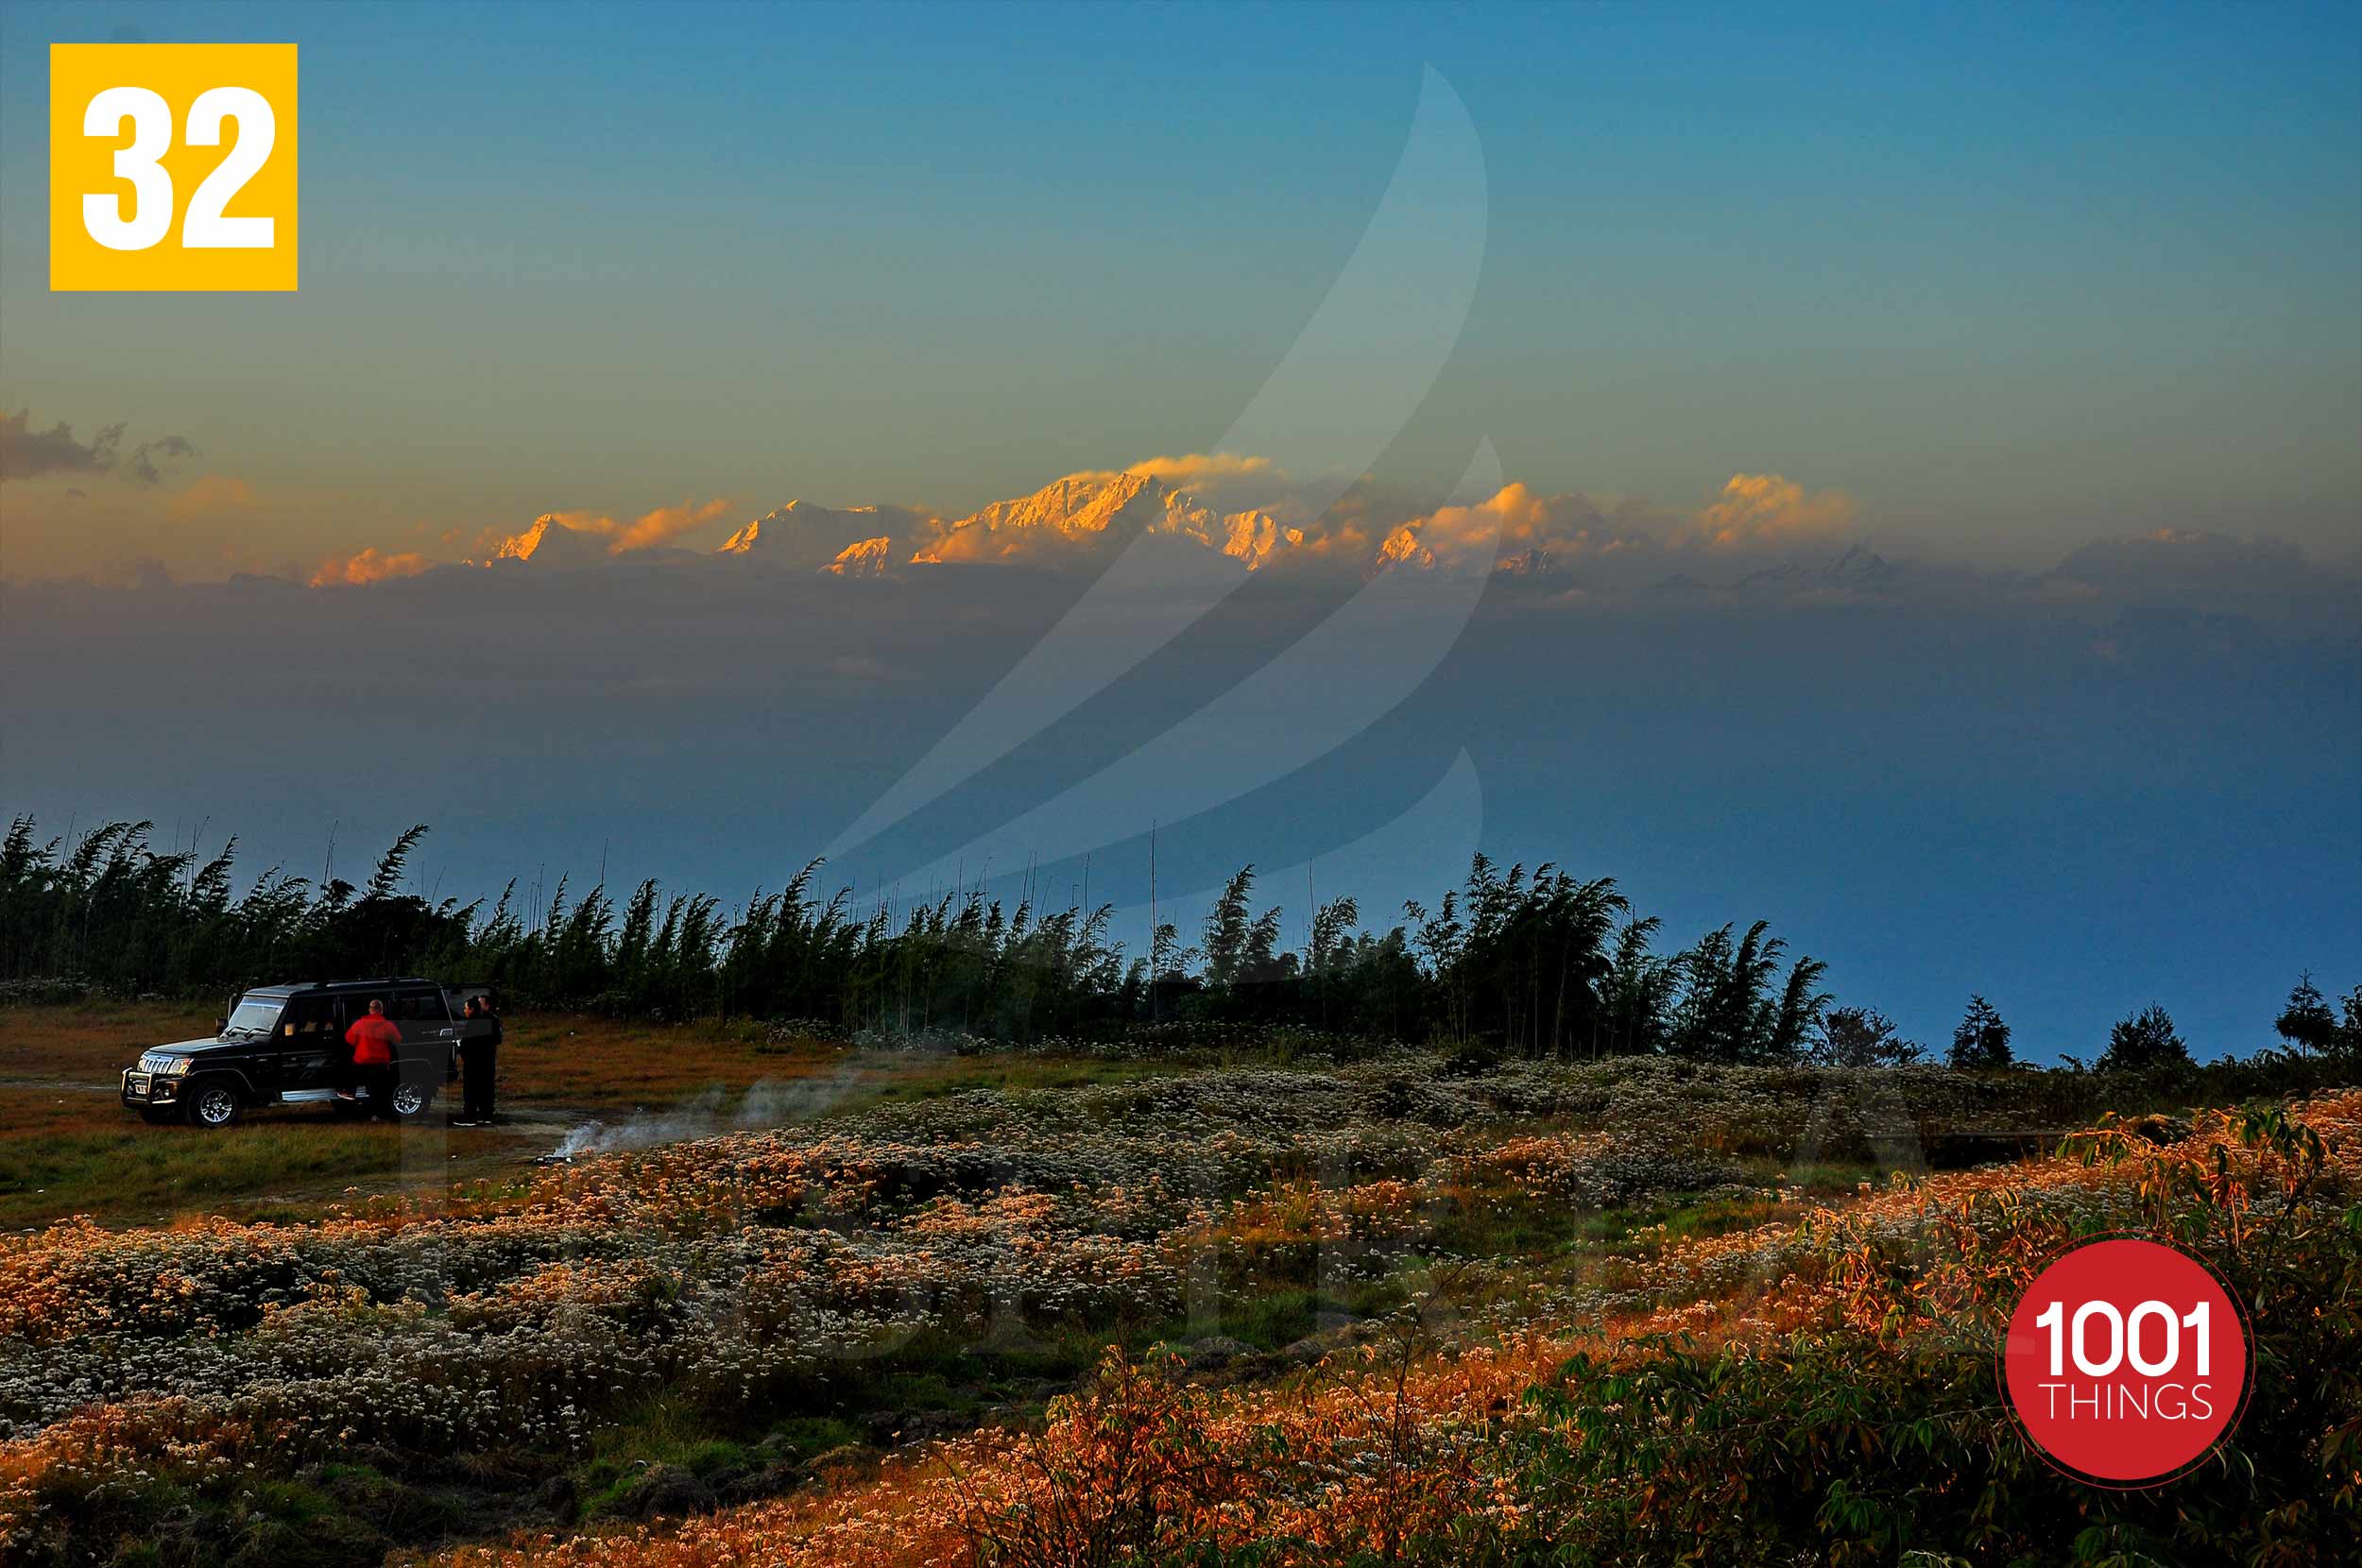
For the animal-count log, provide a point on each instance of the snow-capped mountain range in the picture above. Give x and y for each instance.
(1245, 510)
(1556, 547)
(1067, 519)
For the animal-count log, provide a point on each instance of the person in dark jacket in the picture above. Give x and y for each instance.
(479, 1057)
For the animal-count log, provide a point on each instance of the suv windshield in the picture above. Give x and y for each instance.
(255, 1016)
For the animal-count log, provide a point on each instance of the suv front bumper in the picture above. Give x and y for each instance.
(145, 1091)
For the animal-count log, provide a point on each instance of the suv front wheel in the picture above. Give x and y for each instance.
(213, 1102)
(410, 1100)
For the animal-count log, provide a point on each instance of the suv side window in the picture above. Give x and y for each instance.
(309, 1020)
(418, 1007)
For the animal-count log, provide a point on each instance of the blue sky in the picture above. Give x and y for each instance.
(2014, 278)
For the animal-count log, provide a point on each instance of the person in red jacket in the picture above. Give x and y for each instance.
(373, 1040)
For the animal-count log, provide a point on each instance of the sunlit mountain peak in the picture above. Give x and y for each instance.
(1087, 511)
(811, 536)
(1081, 509)
(864, 558)
(550, 541)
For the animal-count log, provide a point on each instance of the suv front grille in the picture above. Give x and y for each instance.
(156, 1060)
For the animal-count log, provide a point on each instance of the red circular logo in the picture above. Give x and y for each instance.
(2126, 1361)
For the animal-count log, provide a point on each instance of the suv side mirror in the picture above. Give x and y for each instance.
(220, 1024)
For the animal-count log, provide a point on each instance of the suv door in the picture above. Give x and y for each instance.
(311, 1049)
(254, 1059)
(427, 1030)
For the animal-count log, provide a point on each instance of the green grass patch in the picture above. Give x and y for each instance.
(937, 1078)
(1281, 1318)
(150, 1172)
(1827, 1179)
(808, 1437)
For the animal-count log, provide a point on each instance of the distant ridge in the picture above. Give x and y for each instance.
(1859, 569)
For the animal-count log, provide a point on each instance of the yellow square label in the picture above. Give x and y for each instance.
(172, 166)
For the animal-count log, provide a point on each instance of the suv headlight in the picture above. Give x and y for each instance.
(177, 1066)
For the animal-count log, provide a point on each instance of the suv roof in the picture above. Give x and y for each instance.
(289, 988)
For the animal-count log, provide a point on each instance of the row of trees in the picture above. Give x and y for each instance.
(1535, 963)
(2145, 1040)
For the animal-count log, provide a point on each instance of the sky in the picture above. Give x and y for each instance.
(1928, 441)
(2012, 285)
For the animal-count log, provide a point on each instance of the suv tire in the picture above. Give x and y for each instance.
(411, 1099)
(212, 1103)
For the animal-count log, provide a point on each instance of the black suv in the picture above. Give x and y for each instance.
(284, 1044)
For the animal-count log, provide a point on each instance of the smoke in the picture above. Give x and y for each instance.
(775, 1103)
(767, 1102)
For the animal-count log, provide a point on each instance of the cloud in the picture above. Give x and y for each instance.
(2268, 579)
(1194, 468)
(210, 495)
(28, 453)
(1558, 526)
(2184, 558)
(1532, 531)
(1542, 533)
(1769, 508)
(1200, 466)
(141, 466)
(664, 524)
(369, 567)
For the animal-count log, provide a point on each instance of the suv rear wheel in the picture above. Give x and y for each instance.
(212, 1103)
(410, 1100)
